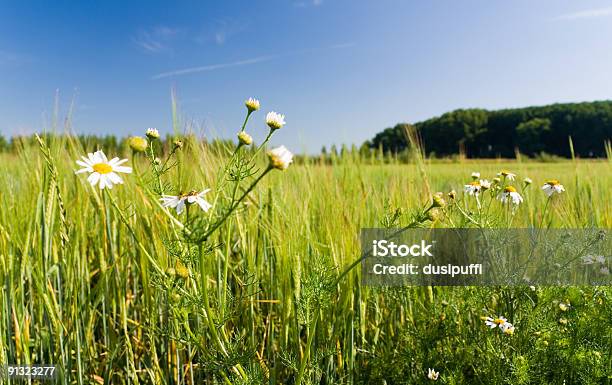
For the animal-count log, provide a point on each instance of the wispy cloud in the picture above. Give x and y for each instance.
(255, 60)
(586, 14)
(309, 3)
(212, 67)
(220, 31)
(7, 57)
(155, 40)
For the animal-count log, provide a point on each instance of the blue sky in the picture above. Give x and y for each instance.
(340, 70)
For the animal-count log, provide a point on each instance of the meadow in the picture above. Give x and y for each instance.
(114, 288)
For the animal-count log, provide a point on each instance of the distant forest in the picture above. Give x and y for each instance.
(479, 133)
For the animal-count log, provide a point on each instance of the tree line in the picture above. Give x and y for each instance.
(480, 133)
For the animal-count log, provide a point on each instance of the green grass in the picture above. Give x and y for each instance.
(116, 294)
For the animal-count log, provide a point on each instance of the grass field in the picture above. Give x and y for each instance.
(109, 287)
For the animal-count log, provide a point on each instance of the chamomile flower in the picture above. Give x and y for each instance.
(275, 120)
(507, 174)
(152, 133)
(475, 175)
(507, 328)
(485, 184)
(432, 374)
(252, 104)
(138, 144)
(527, 181)
(280, 157)
(473, 188)
(563, 306)
(510, 194)
(552, 186)
(103, 172)
(495, 322)
(179, 202)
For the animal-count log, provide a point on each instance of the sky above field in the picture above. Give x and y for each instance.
(340, 70)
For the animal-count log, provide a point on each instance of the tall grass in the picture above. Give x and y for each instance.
(100, 289)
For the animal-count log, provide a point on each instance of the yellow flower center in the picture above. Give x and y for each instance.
(475, 184)
(499, 321)
(102, 168)
(552, 182)
(510, 189)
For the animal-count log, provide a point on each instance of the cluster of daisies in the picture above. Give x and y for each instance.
(506, 192)
(104, 173)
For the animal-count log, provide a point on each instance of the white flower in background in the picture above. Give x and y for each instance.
(485, 184)
(152, 133)
(178, 202)
(507, 174)
(527, 181)
(473, 188)
(280, 157)
(102, 171)
(495, 322)
(507, 328)
(552, 186)
(510, 194)
(564, 306)
(275, 120)
(252, 104)
(432, 374)
(475, 175)
(604, 270)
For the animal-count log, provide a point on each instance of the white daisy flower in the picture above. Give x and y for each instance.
(475, 175)
(178, 202)
(507, 174)
(252, 104)
(495, 322)
(432, 374)
(510, 194)
(552, 186)
(275, 120)
(485, 184)
(564, 306)
(527, 181)
(152, 133)
(507, 328)
(102, 171)
(280, 157)
(473, 188)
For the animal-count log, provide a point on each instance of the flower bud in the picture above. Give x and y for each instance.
(178, 144)
(138, 143)
(438, 200)
(275, 120)
(245, 138)
(452, 194)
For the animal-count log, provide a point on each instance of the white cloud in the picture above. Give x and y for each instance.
(212, 67)
(586, 14)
